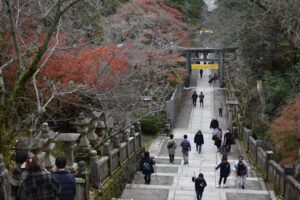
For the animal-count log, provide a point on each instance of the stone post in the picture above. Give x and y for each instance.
(132, 134)
(4, 181)
(95, 176)
(125, 139)
(138, 127)
(288, 170)
(269, 156)
(106, 152)
(187, 70)
(68, 147)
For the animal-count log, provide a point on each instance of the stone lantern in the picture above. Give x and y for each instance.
(231, 103)
(82, 124)
(68, 147)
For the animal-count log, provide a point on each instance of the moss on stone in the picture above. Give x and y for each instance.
(115, 185)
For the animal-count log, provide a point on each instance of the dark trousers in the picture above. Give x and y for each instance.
(194, 101)
(199, 194)
(220, 180)
(201, 74)
(201, 103)
(147, 178)
(171, 158)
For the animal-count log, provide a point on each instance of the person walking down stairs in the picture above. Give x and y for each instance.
(147, 167)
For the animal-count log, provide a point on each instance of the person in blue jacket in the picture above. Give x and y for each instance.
(224, 171)
(65, 179)
(147, 167)
(200, 184)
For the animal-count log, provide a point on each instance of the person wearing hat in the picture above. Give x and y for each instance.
(65, 179)
(21, 156)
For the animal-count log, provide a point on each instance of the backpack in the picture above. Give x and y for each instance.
(146, 166)
(185, 146)
(170, 145)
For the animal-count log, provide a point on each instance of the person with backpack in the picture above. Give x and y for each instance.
(229, 139)
(198, 139)
(194, 97)
(200, 184)
(65, 179)
(147, 167)
(171, 146)
(186, 147)
(21, 156)
(201, 97)
(241, 168)
(224, 171)
(210, 80)
(214, 125)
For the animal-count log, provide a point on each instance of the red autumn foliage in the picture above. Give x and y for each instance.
(285, 135)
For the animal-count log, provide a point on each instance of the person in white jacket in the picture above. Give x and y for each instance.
(241, 168)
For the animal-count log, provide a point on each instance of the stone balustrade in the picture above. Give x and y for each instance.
(116, 152)
(283, 178)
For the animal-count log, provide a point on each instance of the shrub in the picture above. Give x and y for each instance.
(153, 124)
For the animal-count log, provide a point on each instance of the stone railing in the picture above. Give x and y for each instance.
(120, 151)
(172, 105)
(282, 178)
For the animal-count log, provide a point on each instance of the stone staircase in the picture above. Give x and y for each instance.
(174, 181)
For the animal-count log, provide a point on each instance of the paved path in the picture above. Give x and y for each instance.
(173, 182)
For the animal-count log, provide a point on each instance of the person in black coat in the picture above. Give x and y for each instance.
(147, 167)
(65, 179)
(200, 184)
(194, 97)
(224, 171)
(198, 139)
(229, 139)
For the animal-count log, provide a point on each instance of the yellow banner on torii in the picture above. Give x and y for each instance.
(205, 66)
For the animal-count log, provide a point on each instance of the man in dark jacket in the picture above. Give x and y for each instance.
(65, 179)
(229, 139)
(201, 97)
(194, 97)
(224, 171)
(147, 167)
(198, 139)
(200, 184)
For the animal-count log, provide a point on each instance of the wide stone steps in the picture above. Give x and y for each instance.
(174, 181)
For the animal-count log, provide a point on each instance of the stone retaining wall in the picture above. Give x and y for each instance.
(172, 106)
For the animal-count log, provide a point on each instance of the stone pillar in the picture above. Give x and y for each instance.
(106, 152)
(222, 83)
(132, 134)
(125, 139)
(138, 127)
(82, 127)
(4, 181)
(269, 156)
(68, 147)
(95, 176)
(288, 170)
(187, 70)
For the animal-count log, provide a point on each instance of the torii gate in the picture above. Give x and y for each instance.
(205, 51)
